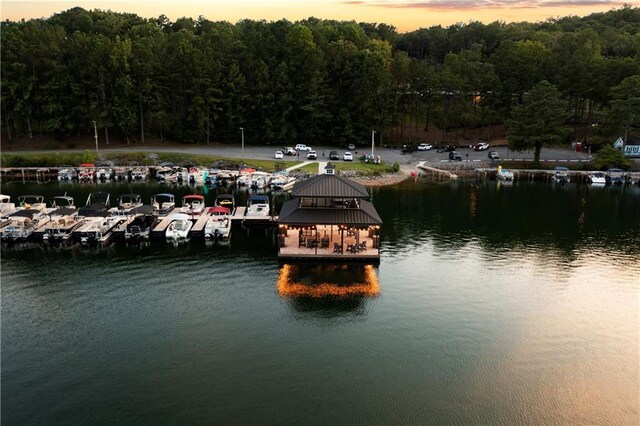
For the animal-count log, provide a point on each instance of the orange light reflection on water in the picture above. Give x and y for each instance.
(286, 288)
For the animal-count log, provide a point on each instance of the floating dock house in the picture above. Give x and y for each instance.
(329, 219)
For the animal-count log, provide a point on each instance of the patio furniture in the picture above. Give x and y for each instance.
(337, 248)
(325, 242)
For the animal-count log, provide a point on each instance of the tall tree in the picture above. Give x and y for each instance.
(539, 120)
(625, 105)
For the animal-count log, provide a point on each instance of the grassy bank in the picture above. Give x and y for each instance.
(130, 158)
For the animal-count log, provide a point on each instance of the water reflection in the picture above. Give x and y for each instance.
(328, 281)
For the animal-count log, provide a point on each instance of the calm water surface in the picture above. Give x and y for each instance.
(490, 305)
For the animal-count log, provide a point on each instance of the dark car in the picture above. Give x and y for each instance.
(407, 149)
(454, 156)
(333, 155)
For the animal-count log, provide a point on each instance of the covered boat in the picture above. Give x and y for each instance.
(163, 203)
(192, 204)
(258, 205)
(226, 200)
(218, 227)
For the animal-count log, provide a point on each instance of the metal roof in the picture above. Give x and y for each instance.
(291, 214)
(329, 186)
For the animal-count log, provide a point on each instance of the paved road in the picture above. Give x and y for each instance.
(388, 155)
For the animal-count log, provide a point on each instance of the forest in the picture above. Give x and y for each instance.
(312, 81)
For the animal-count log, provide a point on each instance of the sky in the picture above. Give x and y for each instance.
(405, 15)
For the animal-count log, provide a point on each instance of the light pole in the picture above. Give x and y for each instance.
(242, 131)
(95, 133)
(373, 132)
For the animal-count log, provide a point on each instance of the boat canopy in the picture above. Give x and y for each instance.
(25, 213)
(193, 197)
(219, 210)
(87, 165)
(62, 201)
(130, 197)
(164, 195)
(561, 169)
(258, 199)
(31, 199)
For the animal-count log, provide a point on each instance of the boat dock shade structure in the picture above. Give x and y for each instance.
(329, 219)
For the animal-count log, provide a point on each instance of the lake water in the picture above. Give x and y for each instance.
(491, 304)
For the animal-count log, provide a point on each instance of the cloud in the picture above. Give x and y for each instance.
(481, 4)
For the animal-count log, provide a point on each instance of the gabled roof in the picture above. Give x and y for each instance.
(329, 186)
(291, 214)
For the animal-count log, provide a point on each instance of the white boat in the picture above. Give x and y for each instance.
(21, 224)
(597, 178)
(257, 206)
(62, 201)
(182, 174)
(561, 175)
(259, 180)
(32, 202)
(282, 182)
(86, 172)
(104, 174)
(6, 206)
(244, 179)
(504, 174)
(63, 222)
(196, 175)
(121, 174)
(98, 229)
(163, 204)
(126, 203)
(192, 204)
(179, 226)
(218, 227)
(67, 174)
(139, 174)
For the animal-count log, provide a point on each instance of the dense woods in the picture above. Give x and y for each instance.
(313, 81)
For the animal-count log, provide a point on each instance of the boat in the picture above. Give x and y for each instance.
(139, 174)
(597, 178)
(163, 173)
(64, 221)
(140, 227)
(179, 226)
(6, 206)
(561, 175)
(196, 175)
(86, 172)
(62, 201)
(67, 174)
(259, 180)
(163, 204)
(282, 182)
(32, 202)
(126, 203)
(258, 206)
(20, 225)
(226, 200)
(182, 174)
(105, 173)
(192, 204)
(504, 174)
(97, 205)
(98, 230)
(615, 176)
(218, 226)
(121, 174)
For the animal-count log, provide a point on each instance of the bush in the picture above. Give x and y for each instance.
(609, 157)
(395, 168)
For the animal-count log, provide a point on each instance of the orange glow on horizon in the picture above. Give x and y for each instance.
(405, 16)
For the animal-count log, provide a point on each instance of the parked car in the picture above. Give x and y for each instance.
(455, 156)
(482, 146)
(424, 147)
(406, 149)
(447, 148)
(347, 156)
(279, 155)
(351, 147)
(312, 155)
(333, 155)
(493, 155)
(289, 151)
(302, 147)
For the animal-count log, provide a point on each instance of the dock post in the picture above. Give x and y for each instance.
(23, 176)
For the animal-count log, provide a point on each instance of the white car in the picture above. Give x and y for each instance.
(302, 147)
(424, 147)
(279, 155)
(347, 156)
(312, 155)
(482, 146)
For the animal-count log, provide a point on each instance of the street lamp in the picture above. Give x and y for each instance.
(373, 132)
(95, 133)
(242, 130)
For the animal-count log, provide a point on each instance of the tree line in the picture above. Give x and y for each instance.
(311, 81)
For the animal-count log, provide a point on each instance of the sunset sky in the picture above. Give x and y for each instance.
(405, 15)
